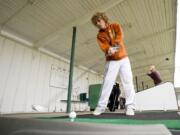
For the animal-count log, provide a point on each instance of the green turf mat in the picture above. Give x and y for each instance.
(171, 124)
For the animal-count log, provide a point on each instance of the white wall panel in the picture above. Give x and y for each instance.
(33, 79)
(160, 97)
(20, 95)
(26, 80)
(5, 67)
(13, 78)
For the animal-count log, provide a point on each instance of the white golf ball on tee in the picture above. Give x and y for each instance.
(72, 115)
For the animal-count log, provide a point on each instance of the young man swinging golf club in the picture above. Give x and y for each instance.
(110, 40)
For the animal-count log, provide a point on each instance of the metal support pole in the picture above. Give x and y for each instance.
(71, 71)
(142, 85)
(136, 83)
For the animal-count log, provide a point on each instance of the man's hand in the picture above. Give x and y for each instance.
(111, 51)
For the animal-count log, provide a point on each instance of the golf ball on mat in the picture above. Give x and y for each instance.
(72, 115)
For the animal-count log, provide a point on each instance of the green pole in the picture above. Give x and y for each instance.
(71, 71)
(136, 83)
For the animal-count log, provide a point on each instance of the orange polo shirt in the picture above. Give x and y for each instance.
(106, 38)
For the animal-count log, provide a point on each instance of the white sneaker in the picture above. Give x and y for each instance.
(98, 111)
(130, 112)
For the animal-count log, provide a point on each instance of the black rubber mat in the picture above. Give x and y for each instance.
(19, 126)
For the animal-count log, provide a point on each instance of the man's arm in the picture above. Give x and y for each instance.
(119, 33)
(104, 45)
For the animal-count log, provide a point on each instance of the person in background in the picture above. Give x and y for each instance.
(110, 39)
(155, 75)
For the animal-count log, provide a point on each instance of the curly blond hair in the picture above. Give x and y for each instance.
(97, 16)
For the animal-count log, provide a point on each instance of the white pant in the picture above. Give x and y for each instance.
(112, 69)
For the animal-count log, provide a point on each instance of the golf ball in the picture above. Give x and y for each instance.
(72, 115)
